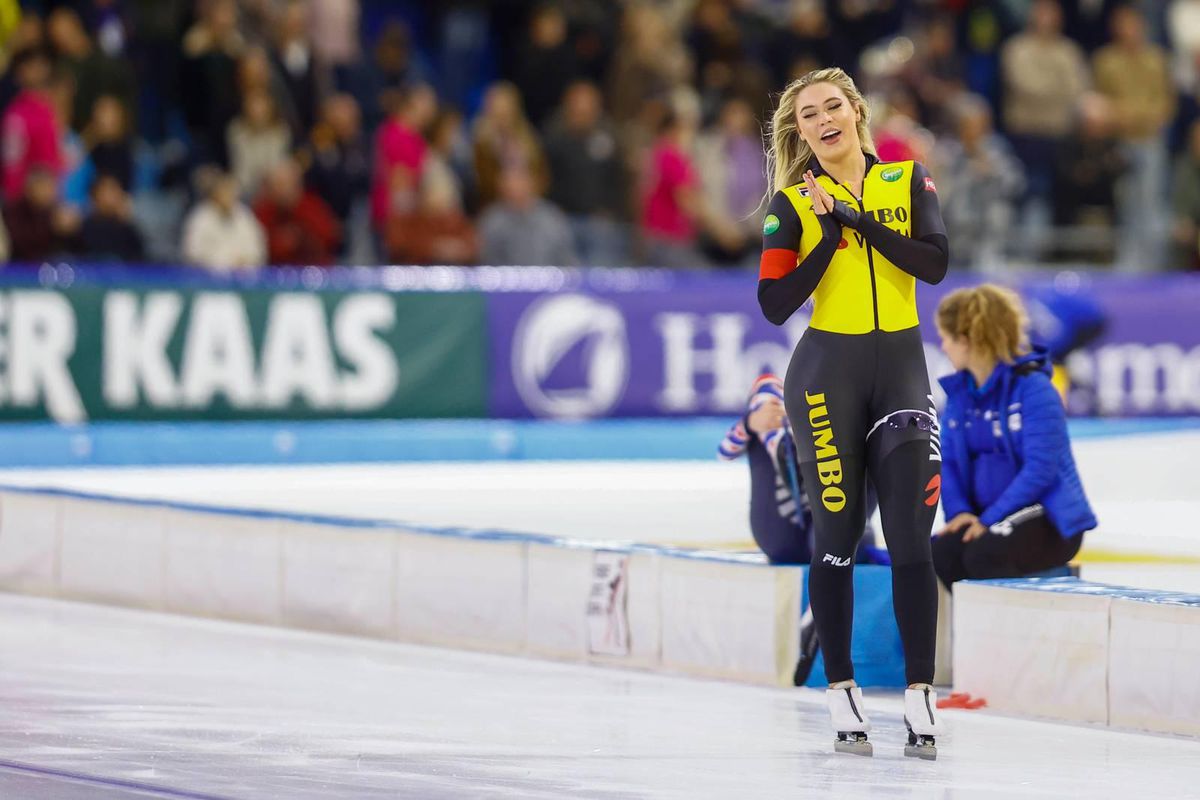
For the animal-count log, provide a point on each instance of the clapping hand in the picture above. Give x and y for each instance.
(822, 201)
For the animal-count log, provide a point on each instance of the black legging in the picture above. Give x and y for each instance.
(1024, 543)
(860, 405)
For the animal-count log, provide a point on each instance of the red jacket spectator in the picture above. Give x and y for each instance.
(672, 179)
(400, 146)
(300, 227)
(30, 127)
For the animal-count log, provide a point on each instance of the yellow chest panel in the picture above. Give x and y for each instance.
(861, 290)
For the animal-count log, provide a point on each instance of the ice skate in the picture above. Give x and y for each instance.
(849, 721)
(921, 719)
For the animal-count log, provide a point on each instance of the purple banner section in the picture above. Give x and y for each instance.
(692, 344)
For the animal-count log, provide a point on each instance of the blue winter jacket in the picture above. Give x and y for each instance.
(1027, 418)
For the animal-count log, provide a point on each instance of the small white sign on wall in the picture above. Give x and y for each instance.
(607, 613)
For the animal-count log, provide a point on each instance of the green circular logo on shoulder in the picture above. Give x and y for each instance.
(770, 224)
(892, 174)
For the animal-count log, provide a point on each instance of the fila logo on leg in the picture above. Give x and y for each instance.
(830, 558)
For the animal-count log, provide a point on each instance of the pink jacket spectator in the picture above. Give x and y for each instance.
(30, 140)
(396, 145)
(670, 171)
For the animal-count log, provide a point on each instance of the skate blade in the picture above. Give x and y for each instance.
(927, 752)
(863, 748)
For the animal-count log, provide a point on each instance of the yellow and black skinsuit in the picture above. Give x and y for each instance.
(857, 389)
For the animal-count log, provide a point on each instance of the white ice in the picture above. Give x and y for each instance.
(1142, 487)
(200, 709)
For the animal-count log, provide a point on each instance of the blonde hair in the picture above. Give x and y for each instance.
(991, 319)
(787, 153)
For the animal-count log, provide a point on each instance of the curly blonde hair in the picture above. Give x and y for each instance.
(991, 318)
(787, 153)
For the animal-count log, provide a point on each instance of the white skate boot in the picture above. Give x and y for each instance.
(923, 723)
(849, 720)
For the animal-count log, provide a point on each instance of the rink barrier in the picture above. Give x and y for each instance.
(1068, 649)
(713, 614)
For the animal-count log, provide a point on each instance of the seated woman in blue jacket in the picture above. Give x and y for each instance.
(1010, 489)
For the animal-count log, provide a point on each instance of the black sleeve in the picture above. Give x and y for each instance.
(926, 254)
(780, 297)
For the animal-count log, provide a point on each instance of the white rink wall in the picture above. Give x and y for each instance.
(711, 614)
(1080, 652)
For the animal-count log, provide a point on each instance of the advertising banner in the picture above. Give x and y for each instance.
(694, 346)
(89, 353)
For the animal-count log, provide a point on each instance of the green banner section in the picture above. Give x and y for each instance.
(75, 355)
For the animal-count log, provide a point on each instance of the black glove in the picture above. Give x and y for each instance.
(843, 213)
(831, 228)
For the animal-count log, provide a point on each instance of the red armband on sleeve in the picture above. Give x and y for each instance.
(776, 263)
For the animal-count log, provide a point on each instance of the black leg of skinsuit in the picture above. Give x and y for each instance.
(902, 476)
(864, 379)
(830, 585)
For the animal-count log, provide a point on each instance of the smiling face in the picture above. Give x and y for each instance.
(828, 123)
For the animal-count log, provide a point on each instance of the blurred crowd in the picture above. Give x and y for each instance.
(233, 134)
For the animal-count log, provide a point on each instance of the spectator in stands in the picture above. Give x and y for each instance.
(108, 141)
(1089, 166)
(503, 137)
(672, 205)
(294, 61)
(523, 229)
(1011, 494)
(255, 73)
(1135, 75)
(1185, 204)
(157, 27)
(898, 133)
(437, 232)
(221, 234)
(334, 26)
(545, 63)
(937, 75)
(299, 226)
(209, 79)
(30, 126)
(257, 140)
(587, 175)
(979, 180)
(339, 163)
(96, 73)
(451, 161)
(39, 226)
(805, 42)
(108, 232)
(400, 152)
(1044, 73)
(732, 172)
(650, 61)
(720, 51)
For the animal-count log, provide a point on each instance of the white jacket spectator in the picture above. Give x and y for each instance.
(221, 234)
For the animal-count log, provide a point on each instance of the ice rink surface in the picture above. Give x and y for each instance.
(1145, 501)
(109, 704)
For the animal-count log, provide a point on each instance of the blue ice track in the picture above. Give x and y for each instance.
(111, 444)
